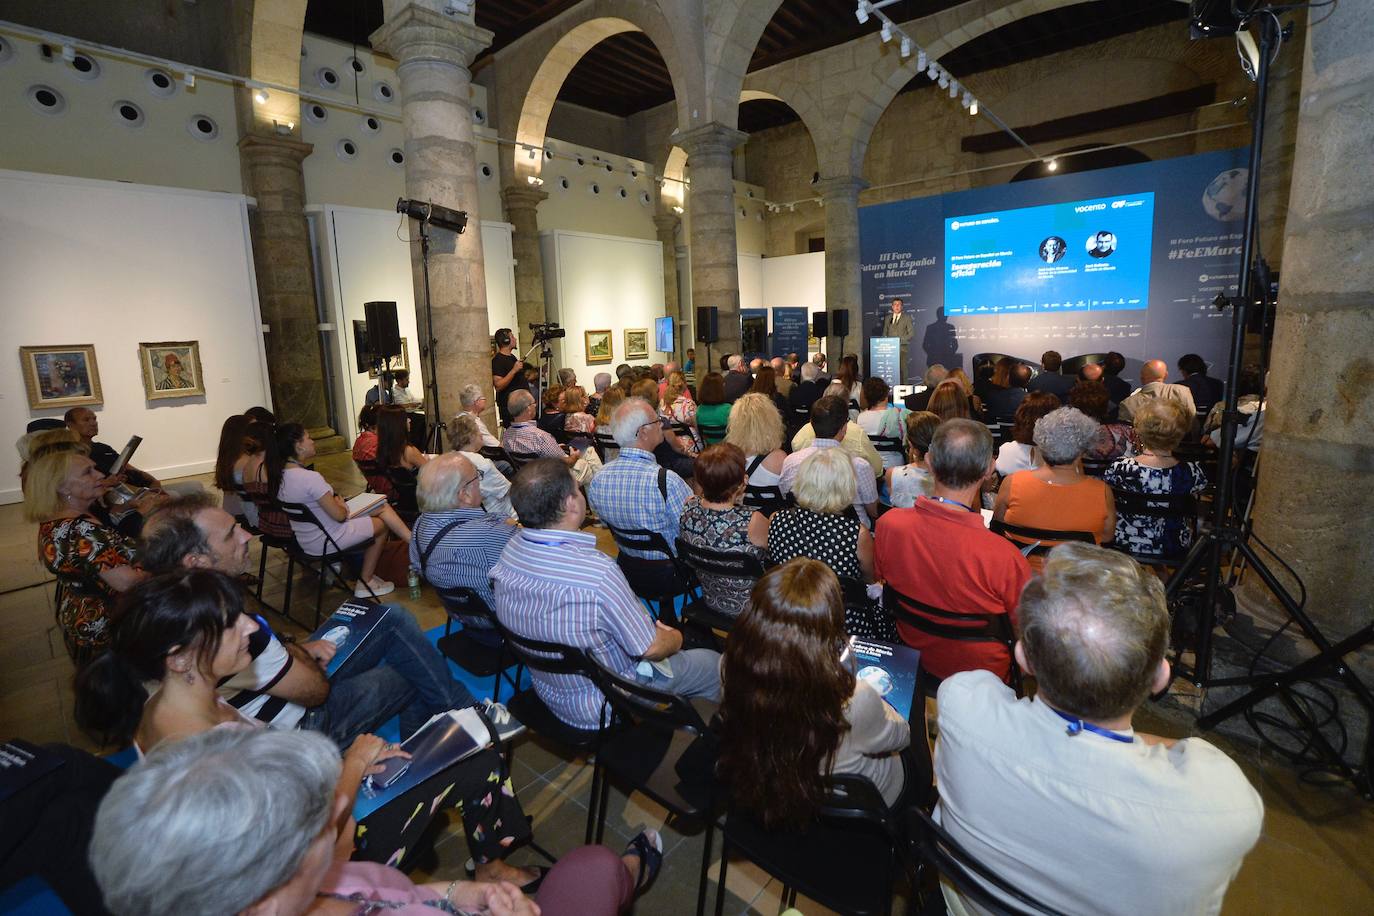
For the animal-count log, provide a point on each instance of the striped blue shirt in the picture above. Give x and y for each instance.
(467, 553)
(555, 586)
(626, 495)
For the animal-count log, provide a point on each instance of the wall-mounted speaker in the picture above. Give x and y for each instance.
(383, 333)
(708, 330)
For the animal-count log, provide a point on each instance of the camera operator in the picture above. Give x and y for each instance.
(507, 372)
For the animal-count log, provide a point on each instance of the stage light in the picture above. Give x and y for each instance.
(861, 12)
(933, 72)
(954, 89)
(534, 180)
(435, 215)
(1051, 164)
(886, 32)
(906, 47)
(260, 96)
(966, 100)
(921, 60)
(189, 79)
(973, 107)
(944, 80)
(68, 53)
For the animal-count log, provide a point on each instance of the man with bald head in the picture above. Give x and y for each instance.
(737, 379)
(1153, 385)
(1091, 372)
(781, 377)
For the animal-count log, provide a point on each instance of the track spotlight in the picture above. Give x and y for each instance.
(677, 208)
(886, 32)
(906, 47)
(966, 100)
(189, 79)
(861, 12)
(1051, 165)
(954, 89)
(534, 153)
(260, 96)
(69, 53)
(944, 80)
(534, 180)
(973, 108)
(921, 60)
(933, 72)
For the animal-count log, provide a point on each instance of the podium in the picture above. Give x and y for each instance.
(885, 359)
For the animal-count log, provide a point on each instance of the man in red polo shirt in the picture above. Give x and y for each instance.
(940, 553)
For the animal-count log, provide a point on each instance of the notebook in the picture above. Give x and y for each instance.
(365, 504)
(437, 745)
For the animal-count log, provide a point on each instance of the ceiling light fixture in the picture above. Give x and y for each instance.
(189, 79)
(921, 60)
(677, 208)
(906, 47)
(944, 80)
(861, 12)
(533, 151)
(954, 89)
(260, 96)
(973, 108)
(933, 72)
(534, 180)
(966, 100)
(69, 53)
(886, 32)
(1052, 164)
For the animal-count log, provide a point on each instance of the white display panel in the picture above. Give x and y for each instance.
(115, 264)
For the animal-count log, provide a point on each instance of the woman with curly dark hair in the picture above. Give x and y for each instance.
(791, 708)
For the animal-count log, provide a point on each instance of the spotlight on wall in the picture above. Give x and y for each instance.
(933, 72)
(921, 60)
(1051, 165)
(435, 215)
(973, 108)
(534, 180)
(906, 47)
(188, 79)
(954, 89)
(944, 80)
(68, 53)
(260, 96)
(283, 127)
(677, 208)
(967, 100)
(886, 32)
(861, 12)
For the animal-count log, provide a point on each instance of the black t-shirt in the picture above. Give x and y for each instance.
(501, 364)
(103, 456)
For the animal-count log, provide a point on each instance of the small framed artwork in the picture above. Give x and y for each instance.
(397, 362)
(636, 343)
(61, 376)
(171, 369)
(600, 349)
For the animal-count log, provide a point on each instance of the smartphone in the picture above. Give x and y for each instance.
(393, 769)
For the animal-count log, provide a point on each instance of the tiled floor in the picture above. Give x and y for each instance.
(1316, 854)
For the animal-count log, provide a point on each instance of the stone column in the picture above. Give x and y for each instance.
(286, 280)
(1316, 487)
(842, 287)
(711, 203)
(433, 52)
(667, 225)
(529, 264)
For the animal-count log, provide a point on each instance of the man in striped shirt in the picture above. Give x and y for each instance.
(633, 491)
(552, 584)
(524, 437)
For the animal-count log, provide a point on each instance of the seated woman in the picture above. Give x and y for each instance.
(394, 451)
(678, 406)
(229, 461)
(766, 384)
(1160, 426)
(291, 482)
(365, 452)
(880, 418)
(717, 521)
(473, 401)
(712, 411)
(186, 632)
(1019, 453)
(1058, 496)
(272, 521)
(948, 401)
(909, 481)
(755, 428)
(259, 822)
(574, 406)
(975, 403)
(792, 711)
(825, 527)
(78, 544)
(464, 435)
(552, 418)
(1113, 439)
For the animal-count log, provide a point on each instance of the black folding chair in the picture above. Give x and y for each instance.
(766, 499)
(474, 656)
(404, 482)
(1181, 507)
(301, 514)
(858, 604)
(661, 746)
(607, 449)
(957, 626)
(1023, 537)
(520, 459)
(1096, 467)
(274, 533)
(499, 457)
(938, 850)
(732, 564)
(711, 434)
(658, 578)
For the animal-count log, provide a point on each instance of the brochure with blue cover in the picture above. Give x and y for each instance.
(890, 669)
(444, 740)
(22, 764)
(346, 628)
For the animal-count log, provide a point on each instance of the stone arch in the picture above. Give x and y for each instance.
(273, 55)
(732, 33)
(673, 191)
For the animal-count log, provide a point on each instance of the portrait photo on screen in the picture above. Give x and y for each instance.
(1052, 249)
(1101, 244)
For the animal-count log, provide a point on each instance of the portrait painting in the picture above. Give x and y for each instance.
(636, 343)
(61, 376)
(397, 362)
(600, 349)
(171, 369)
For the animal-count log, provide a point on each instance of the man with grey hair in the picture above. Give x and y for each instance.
(566, 378)
(939, 552)
(755, 365)
(473, 400)
(633, 491)
(454, 543)
(1148, 818)
(601, 381)
(737, 380)
(920, 400)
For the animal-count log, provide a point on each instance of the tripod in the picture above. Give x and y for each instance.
(1228, 533)
(434, 443)
(545, 370)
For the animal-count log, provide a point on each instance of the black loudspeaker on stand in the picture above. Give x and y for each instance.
(1228, 531)
(383, 342)
(708, 330)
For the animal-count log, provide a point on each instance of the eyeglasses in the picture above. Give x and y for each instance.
(469, 482)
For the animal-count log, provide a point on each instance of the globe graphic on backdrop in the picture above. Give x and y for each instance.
(337, 635)
(1224, 198)
(877, 678)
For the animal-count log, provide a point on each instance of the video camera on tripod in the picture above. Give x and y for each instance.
(548, 330)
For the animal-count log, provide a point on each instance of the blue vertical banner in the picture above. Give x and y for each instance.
(791, 327)
(753, 333)
(885, 358)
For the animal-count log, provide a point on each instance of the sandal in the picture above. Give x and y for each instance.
(648, 846)
(529, 887)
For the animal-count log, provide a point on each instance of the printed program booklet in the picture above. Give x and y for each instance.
(22, 764)
(346, 628)
(889, 669)
(441, 742)
(365, 504)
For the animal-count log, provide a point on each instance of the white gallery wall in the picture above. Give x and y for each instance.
(796, 280)
(115, 264)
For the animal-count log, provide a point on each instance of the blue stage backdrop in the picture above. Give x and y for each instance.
(1125, 259)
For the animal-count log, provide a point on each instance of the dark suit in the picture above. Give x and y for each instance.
(737, 384)
(1053, 383)
(920, 400)
(1206, 392)
(1001, 403)
(900, 326)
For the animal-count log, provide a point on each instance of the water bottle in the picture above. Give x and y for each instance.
(413, 580)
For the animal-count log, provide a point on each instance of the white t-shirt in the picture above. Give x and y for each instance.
(494, 485)
(1015, 456)
(270, 663)
(299, 485)
(1083, 823)
(889, 424)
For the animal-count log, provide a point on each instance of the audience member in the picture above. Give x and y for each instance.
(911, 480)
(712, 408)
(1206, 390)
(819, 361)
(949, 402)
(1045, 791)
(1160, 426)
(551, 418)
(91, 559)
(464, 437)
(880, 418)
(576, 420)
(235, 448)
(1012, 377)
(939, 552)
(1019, 453)
(676, 403)
(292, 482)
(401, 395)
(84, 422)
(272, 521)
(822, 527)
(1250, 402)
(851, 379)
(365, 452)
(379, 392)
(567, 378)
(456, 543)
(765, 383)
(738, 379)
(1152, 386)
(830, 418)
(473, 400)
(920, 400)
(613, 398)
(552, 584)
(394, 451)
(1112, 367)
(808, 391)
(1113, 439)
(756, 430)
(689, 365)
(982, 379)
(43, 441)
(717, 521)
(792, 711)
(1092, 372)
(672, 451)
(1058, 496)
(782, 377)
(623, 372)
(1050, 381)
(261, 415)
(601, 381)
(524, 438)
(507, 372)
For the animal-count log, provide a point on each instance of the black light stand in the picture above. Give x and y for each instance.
(541, 341)
(1228, 531)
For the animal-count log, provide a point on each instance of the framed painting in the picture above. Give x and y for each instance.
(399, 362)
(61, 376)
(600, 348)
(171, 369)
(636, 343)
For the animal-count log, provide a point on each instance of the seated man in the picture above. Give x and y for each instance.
(854, 439)
(632, 491)
(552, 584)
(83, 422)
(524, 437)
(1058, 795)
(829, 418)
(1001, 403)
(395, 668)
(473, 400)
(401, 393)
(920, 400)
(454, 542)
(1153, 385)
(940, 553)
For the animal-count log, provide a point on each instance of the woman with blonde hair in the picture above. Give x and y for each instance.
(677, 405)
(574, 407)
(949, 401)
(613, 398)
(975, 402)
(755, 428)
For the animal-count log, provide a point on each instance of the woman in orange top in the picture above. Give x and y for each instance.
(1058, 495)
